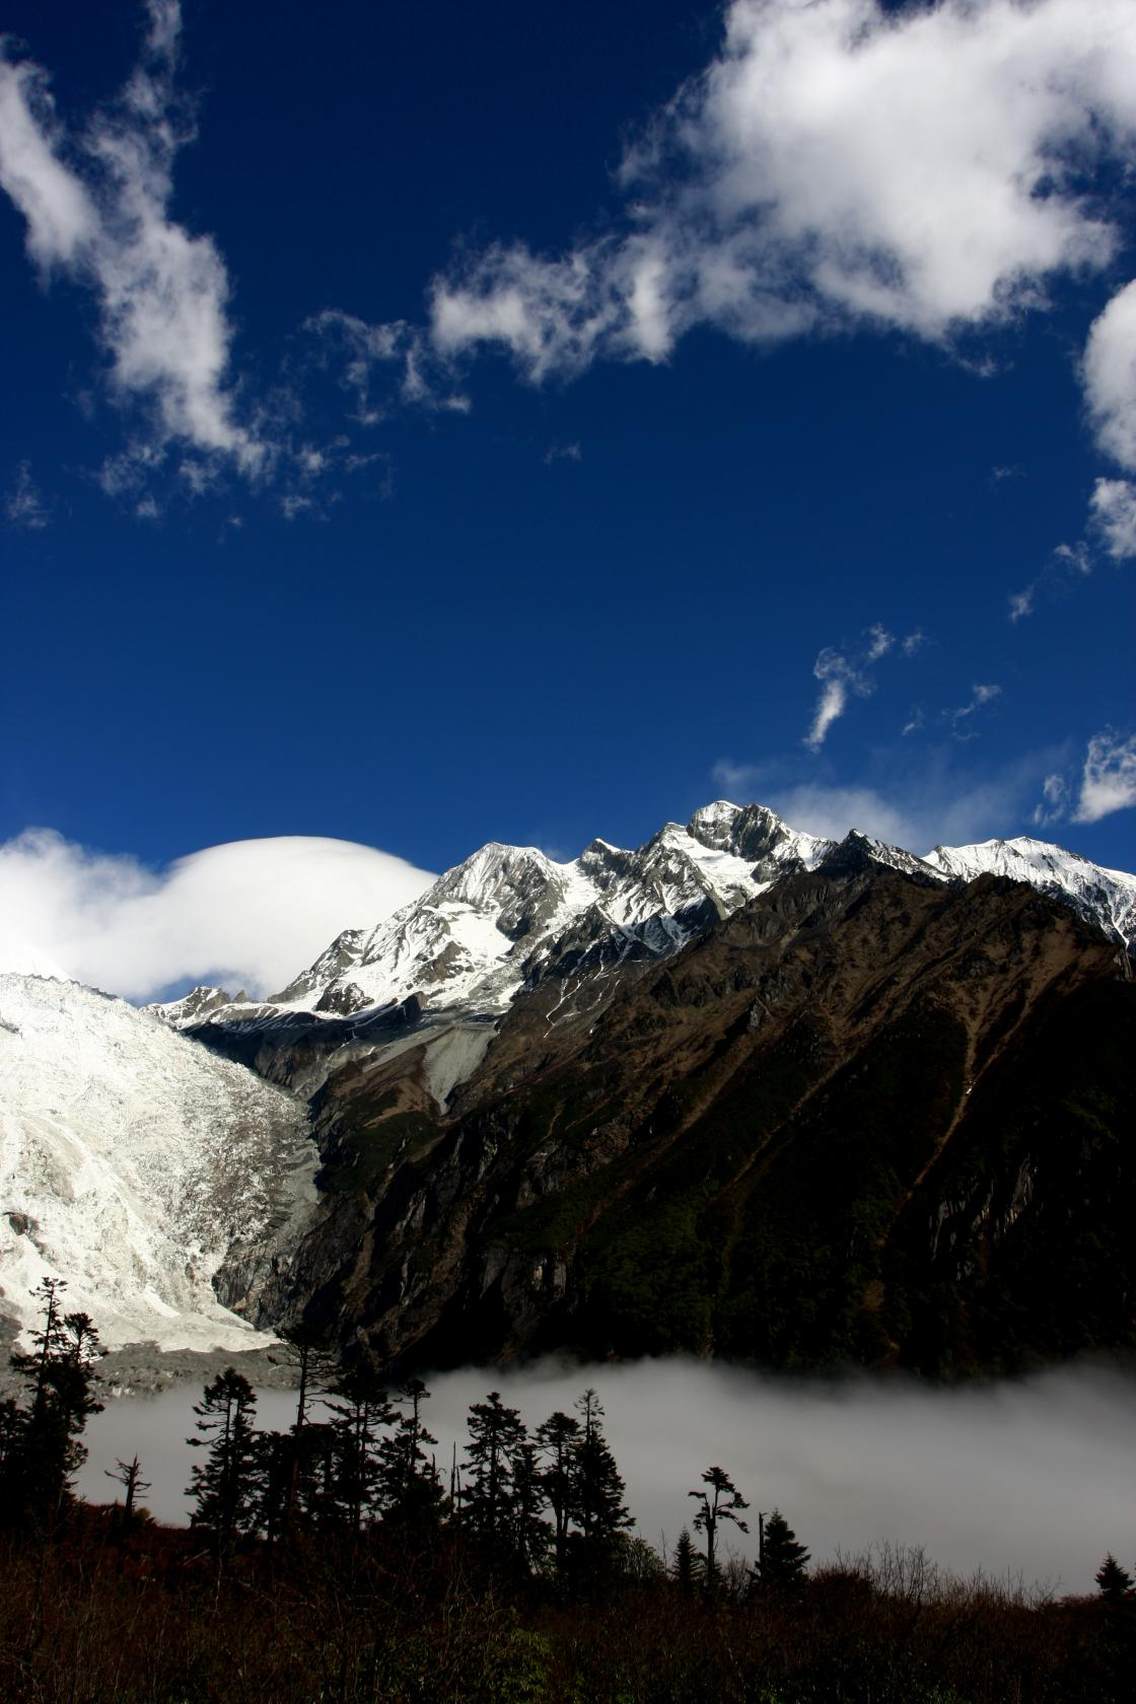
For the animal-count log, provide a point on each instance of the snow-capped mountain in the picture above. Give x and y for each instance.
(1104, 897)
(133, 1164)
(510, 914)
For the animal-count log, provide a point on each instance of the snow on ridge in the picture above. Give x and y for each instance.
(477, 937)
(131, 1162)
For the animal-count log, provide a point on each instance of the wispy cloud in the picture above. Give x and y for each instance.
(836, 162)
(24, 504)
(846, 674)
(1068, 562)
(962, 717)
(1113, 515)
(96, 204)
(562, 452)
(367, 353)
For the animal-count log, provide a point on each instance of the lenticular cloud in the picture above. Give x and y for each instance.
(251, 911)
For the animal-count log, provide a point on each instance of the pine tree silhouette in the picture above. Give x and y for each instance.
(226, 1489)
(362, 1411)
(408, 1489)
(782, 1565)
(44, 1445)
(496, 1434)
(720, 1501)
(600, 1511)
(128, 1474)
(556, 1440)
(687, 1565)
(1114, 1581)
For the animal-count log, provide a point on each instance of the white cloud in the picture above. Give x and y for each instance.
(251, 912)
(843, 676)
(24, 505)
(1108, 779)
(1109, 377)
(1113, 512)
(97, 211)
(836, 162)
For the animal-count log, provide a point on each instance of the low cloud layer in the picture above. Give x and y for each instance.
(251, 913)
(1010, 1478)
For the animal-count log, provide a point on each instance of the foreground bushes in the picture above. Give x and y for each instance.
(140, 1614)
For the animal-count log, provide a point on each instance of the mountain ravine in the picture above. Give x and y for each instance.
(870, 1115)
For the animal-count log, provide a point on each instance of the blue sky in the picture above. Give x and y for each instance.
(640, 458)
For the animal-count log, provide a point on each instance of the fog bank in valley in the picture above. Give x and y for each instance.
(1029, 1477)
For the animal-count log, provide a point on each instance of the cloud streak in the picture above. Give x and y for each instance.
(96, 206)
(250, 912)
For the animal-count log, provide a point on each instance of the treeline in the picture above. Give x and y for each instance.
(339, 1559)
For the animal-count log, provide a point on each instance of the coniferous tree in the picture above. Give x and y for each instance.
(557, 1439)
(720, 1501)
(783, 1563)
(687, 1564)
(362, 1410)
(530, 1533)
(408, 1488)
(227, 1488)
(315, 1366)
(1114, 1581)
(599, 1511)
(60, 1376)
(496, 1434)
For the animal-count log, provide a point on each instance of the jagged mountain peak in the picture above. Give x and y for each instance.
(511, 915)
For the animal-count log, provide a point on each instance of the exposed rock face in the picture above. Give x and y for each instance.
(869, 1116)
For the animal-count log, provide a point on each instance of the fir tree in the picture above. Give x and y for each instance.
(315, 1366)
(496, 1434)
(557, 1439)
(60, 1376)
(226, 1489)
(687, 1564)
(530, 1532)
(1114, 1581)
(407, 1484)
(783, 1563)
(719, 1501)
(599, 1508)
(362, 1410)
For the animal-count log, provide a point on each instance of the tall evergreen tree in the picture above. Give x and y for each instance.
(599, 1511)
(496, 1434)
(557, 1440)
(686, 1565)
(407, 1484)
(1114, 1581)
(226, 1489)
(530, 1534)
(60, 1376)
(719, 1501)
(783, 1563)
(315, 1366)
(362, 1411)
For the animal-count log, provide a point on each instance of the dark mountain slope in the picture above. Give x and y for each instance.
(866, 1118)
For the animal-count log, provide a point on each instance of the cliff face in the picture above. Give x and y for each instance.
(866, 1118)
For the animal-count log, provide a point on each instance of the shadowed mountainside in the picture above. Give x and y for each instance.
(867, 1118)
